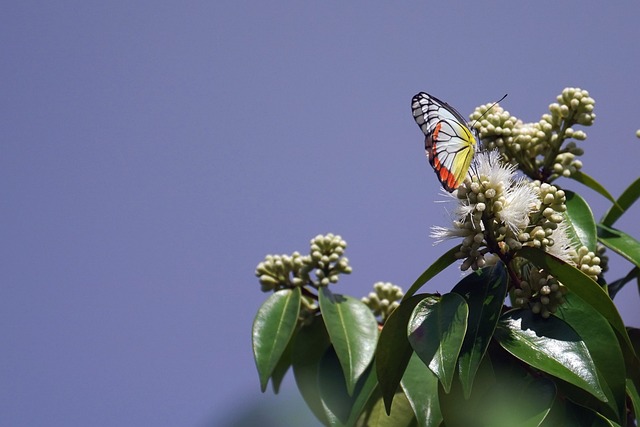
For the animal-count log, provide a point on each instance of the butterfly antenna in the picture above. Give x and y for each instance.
(488, 109)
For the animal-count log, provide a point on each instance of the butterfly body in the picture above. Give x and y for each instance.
(449, 144)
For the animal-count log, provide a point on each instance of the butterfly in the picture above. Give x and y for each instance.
(449, 144)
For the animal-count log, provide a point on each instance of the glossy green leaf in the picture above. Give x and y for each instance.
(341, 408)
(550, 345)
(420, 385)
(517, 401)
(585, 288)
(560, 415)
(585, 179)
(604, 349)
(441, 263)
(620, 206)
(566, 413)
(436, 331)
(336, 400)
(484, 293)
(394, 350)
(401, 414)
(582, 286)
(367, 393)
(273, 327)
(504, 394)
(282, 367)
(620, 242)
(309, 345)
(580, 221)
(353, 331)
(460, 412)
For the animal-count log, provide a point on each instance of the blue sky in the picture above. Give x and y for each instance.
(153, 152)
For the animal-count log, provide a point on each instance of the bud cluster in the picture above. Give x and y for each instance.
(323, 265)
(281, 271)
(537, 148)
(604, 259)
(384, 299)
(539, 291)
(587, 261)
(546, 229)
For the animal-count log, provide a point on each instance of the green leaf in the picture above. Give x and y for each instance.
(394, 350)
(436, 332)
(566, 413)
(560, 415)
(633, 364)
(282, 367)
(588, 290)
(634, 336)
(273, 327)
(604, 348)
(585, 179)
(550, 345)
(620, 243)
(579, 218)
(401, 414)
(624, 202)
(504, 394)
(581, 285)
(342, 409)
(309, 345)
(353, 331)
(484, 293)
(441, 263)
(336, 400)
(366, 393)
(601, 421)
(458, 411)
(633, 394)
(420, 385)
(522, 401)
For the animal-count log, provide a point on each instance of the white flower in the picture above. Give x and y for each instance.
(459, 229)
(491, 171)
(520, 200)
(562, 246)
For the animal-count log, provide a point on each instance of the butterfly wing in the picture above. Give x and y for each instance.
(449, 143)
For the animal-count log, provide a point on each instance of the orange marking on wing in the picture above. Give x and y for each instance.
(452, 182)
(435, 132)
(445, 175)
(447, 178)
(436, 163)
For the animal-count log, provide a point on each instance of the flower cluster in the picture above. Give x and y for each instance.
(498, 214)
(539, 148)
(323, 265)
(384, 299)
